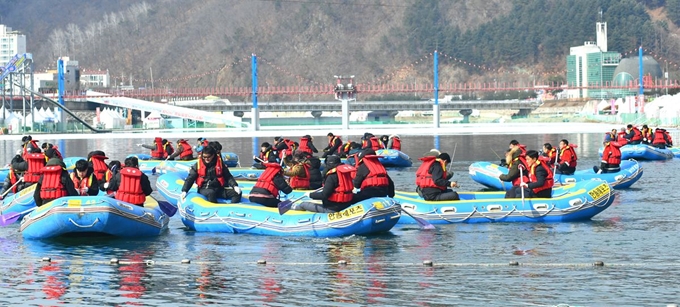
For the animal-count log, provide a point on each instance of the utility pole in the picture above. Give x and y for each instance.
(151, 71)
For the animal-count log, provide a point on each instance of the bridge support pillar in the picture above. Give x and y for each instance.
(255, 124)
(345, 114)
(317, 117)
(524, 112)
(466, 115)
(435, 115)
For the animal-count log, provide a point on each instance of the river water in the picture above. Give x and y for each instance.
(635, 239)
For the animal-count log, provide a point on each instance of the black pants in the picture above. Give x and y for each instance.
(516, 192)
(265, 201)
(369, 193)
(212, 194)
(659, 146)
(608, 168)
(565, 170)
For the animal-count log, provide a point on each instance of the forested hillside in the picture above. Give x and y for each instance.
(209, 42)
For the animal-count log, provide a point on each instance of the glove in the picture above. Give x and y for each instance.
(454, 184)
(1, 197)
(139, 145)
(355, 190)
(237, 190)
(183, 196)
(106, 185)
(83, 191)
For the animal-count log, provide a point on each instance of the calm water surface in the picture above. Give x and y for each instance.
(636, 238)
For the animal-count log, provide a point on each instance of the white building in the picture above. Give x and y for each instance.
(11, 43)
(94, 78)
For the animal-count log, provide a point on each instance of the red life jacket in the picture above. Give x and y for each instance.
(659, 137)
(396, 143)
(36, 162)
(13, 178)
(647, 134)
(304, 145)
(620, 138)
(377, 174)
(331, 143)
(637, 135)
(130, 189)
(570, 155)
(611, 154)
(291, 147)
(343, 193)
(266, 180)
(549, 181)
(346, 147)
(297, 182)
(31, 143)
(159, 152)
(51, 187)
(424, 178)
(186, 150)
(551, 155)
(264, 156)
(374, 143)
(202, 171)
(101, 170)
(81, 183)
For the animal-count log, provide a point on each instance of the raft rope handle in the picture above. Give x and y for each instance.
(201, 219)
(540, 215)
(452, 221)
(237, 228)
(84, 226)
(514, 208)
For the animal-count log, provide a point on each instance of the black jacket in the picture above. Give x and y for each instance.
(65, 179)
(114, 183)
(363, 172)
(210, 180)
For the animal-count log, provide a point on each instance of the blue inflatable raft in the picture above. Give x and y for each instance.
(149, 166)
(80, 215)
(487, 174)
(576, 202)
(371, 216)
(643, 152)
(22, 202)
(393, 158)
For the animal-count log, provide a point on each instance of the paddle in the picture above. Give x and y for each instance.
(167, 208)
(10, 218)
(424, 224)
(521, 182)
(161, 166)
(12, 187)
(285, 205)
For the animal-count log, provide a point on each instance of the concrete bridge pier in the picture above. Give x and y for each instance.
(317, 117)
(524, 112)
(466, 115)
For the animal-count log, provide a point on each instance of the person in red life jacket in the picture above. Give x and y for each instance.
(336, 194)
(355, 149)
(28, 143)
(13, 177)
(315, 175)
(266, 154)
(184, 151)
(268, 185)
(299, 172)
(306, 145)
(371, 177)
(567, 159)
(84, 179)
(57, 153)
(647, 135)
(54, 182)
(371, 141)
(394, 142)
(633, 135)
(201, 143)
(538, 180)
(513, 159)
(334, 146)
(347, 147)
(32, 162)
(661, 139)
(130, 184)
(611, 157)
(281, 147)
(160, 150)
(100, 169)
(212, 177)
(433, 177)
(548, 155)
(515, 144)
(621, 136)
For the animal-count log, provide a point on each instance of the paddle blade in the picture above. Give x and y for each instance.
(167, 208)
(284, 206)
(424, 224)
(9, 218)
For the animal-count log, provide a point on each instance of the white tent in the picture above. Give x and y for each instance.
(13, 123)
(153, 121)
(663, 107)
(109, 119)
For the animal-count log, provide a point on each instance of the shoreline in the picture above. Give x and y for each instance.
(355, 130)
